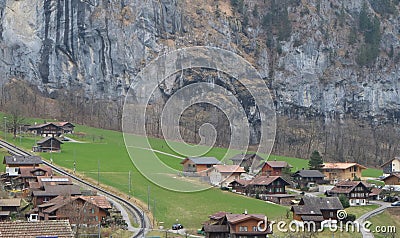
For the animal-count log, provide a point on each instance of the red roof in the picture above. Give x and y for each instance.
(29, 171)
(278, 164)
(236, 218)
(229, 169)
(264, 180)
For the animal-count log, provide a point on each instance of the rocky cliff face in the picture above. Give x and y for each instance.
(314, 54)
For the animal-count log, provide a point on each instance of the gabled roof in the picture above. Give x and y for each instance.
(60, 201)
(278, 164)
(242, 182)
(347, 186)
(63, 123)
(397, 175)
(236, 218)
(43, 125)
(375, 191)
(99, 201)
(202, 160)
(218, 215)
(314, 205)
(390, 161)
(26, 172)
(11, 202)
(53, 228)
(341, 165)
(56, 190)
(245, 157)
(307, 173)
(229, 168)
(266, 180)
(47, 139)
(22, 160)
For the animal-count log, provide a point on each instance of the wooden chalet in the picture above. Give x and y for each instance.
(14, 162)
(47, 129)
(263, 185)
(316, 210)
(198, 164)
(250, 162)
(48, 144)
(303, 178)
(87, 210)
(336, 172)
(222, 175)
(227, 225)
(274, 168)
(393, 179)
(28, 175)
(239, 185)
(10, 204)
(357, 192)
(67, 127)
(391, 166)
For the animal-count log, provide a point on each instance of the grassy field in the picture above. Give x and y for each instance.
(372, 173)
(359, 210)
(103, 156)
(384, 220)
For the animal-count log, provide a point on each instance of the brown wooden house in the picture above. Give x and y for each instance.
(198, 164)
(227, 225)
(274, 168)
(263, 185)
(335, 172)
(356, 191)
(30, 174)
(67, 127)
(239, 185)
(88, 210)
(14, 162)
(316, 209)
(10, 204)
(250, 162)
(48, 144)
(49, 188)
(393, 179)
(304, 177)
(391, 166)
(222, 175)
(47, 129)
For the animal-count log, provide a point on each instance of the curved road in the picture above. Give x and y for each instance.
(138, 214)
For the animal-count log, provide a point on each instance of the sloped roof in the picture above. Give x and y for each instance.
(241, 181)
(48, 138)
(341, 165)
(22, 160)
(218, 215)
(42, 125)
(235, 218)
(60, 201)
(99, 201)
(328, 203)
(308, 173)
(392, 175)
(375, 191)
(56, 190)
(202, 160)
(229, 168)
(54, 228)
(306, 210)
(28, 171)
(62, 123)
(347, 186)
(390, 161)
(54, 180)
(266, 180)
(11, 202)
(278, 164)
(312, 218)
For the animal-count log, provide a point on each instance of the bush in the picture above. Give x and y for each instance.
(344, 200)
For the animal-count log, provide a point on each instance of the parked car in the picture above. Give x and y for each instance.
(396, 204)
(177, 226)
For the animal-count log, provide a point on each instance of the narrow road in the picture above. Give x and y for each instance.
(135, 211)
(158, 151)
(366, 216)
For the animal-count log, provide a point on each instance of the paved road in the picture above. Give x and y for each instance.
(366, 216)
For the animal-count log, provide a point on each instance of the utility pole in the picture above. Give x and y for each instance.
(5, 128)
(20, 135)
(154, 213)
(98, 172)
(129, 182)
(148, 198)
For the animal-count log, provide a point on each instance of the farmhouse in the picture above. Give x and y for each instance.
(336, 172)
(48, 144)
(13, 229)
(14, 162)
(303, 178)
(30, 174)
(250, 162)
(356, 191)
(224, 174)
(263, 185)
(316, 209)
(227, 225)
(198, 164)
(88, 210)
(45, 130)
(393, 179)
(274, 168)
(67, 127)
(391, 166)
(239, 185)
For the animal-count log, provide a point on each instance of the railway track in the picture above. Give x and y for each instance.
(134, 210)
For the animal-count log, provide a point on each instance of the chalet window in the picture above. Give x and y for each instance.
(255, 228)
(92, 210)
(84, 210)
(330, 214)
(242, 228)
(97, 218)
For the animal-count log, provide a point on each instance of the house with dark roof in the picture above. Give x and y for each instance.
(263, 185)
(48, 192)
(30, 174)
(10, 204)
(14, 162)
(303, 178)
(250, 162)
(222, 175)
(46, 129)
(316, 210)
(198, 164)
(227, 225)
(357, 192)
(13, 229)
(48, 144)
(67, 127)
(391, 166)
(88, 210)
(274, 168)
(239, 185)
(393, 179)
(335, 172)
